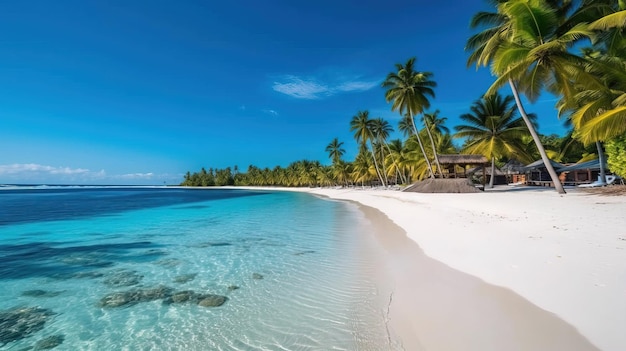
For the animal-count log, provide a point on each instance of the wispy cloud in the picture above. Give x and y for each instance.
(271, 112)
(313, 88)
(300, 88)
(356, 86)
(149, 175)
(18, 168)
(45, 174)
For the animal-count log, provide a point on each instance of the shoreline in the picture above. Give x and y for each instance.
(564, 255)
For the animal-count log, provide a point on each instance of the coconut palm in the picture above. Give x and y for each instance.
(493, 129)
(335, 150)
(409, 90)
(600, 109)
(395, 160)
(341, 172)
(363, 128)
(526, 45)
(361, 167)
(436, 123)
(381, 130)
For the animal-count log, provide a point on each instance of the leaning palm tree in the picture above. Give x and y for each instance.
(395, 160)
(437, 124)
(409, 90)
(493, 129)
(526, 46)
(363, 128)
(381, 130)
(335, 150)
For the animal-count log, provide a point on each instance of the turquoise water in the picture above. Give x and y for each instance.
(293, 271)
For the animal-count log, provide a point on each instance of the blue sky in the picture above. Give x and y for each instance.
(139, 92)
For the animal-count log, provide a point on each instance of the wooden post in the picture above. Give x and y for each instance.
(485, 177)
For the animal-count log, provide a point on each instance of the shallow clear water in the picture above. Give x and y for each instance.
(63, 250)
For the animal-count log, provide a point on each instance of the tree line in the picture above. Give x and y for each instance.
(574, 50)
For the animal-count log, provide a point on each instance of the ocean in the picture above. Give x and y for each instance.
(155, 268)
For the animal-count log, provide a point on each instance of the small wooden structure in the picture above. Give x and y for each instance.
(514, 171)
(581, 173)
(451, 164)
(537, 174)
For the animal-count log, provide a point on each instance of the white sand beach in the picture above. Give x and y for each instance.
(555, 267)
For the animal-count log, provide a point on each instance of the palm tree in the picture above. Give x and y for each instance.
(436, 123)
(363, 126)
(395, 160)
(381, 130)
(341, 172)
(335, 150)
(526, 45)
(493, 129)
(408, 90)
(361, 167)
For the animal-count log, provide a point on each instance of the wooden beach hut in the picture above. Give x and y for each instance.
(457, 179)
(514, 172)
(500, 177)
(582, 172)
(537, 173)
(455, 166)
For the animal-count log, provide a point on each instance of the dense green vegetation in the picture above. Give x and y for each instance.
(574, 50)
(616, 155)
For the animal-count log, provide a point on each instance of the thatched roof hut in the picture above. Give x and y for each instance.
(462, 160)
(450, 164)
(462, 185)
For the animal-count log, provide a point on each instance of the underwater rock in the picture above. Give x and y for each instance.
(211, 244)
(155, 252)
(211, 300)
(232, 287)
(122, 278)
(257, 276)
(184, 278)
(49, 342)
(168, 262)
(180, 297)
(188, 296)
(300, 253)
(21, 322)
(88, 260)
(87, 275)
(131, 297)
(40, 293)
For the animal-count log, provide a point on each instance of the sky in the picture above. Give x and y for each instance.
(140, 92)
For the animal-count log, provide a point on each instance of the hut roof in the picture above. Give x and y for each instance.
(593, 165)
(460, 159)
(456, 185)
(513, 166)
(479, 171)
(539, 164)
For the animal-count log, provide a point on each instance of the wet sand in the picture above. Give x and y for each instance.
(435, 307)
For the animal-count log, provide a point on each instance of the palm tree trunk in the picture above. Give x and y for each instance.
(432, 144)
(395, 162)
(601, 160)
(376, 164)
(544, 157)
(382, 158)
(419, 141)
(493, 172)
